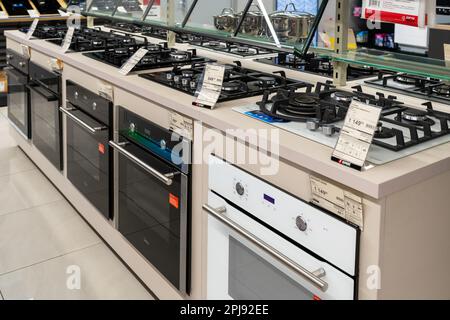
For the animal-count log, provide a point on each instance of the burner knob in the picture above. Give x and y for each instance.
(169, 76)
(301, 223)
(240, 189)
(329, 129)
(76, 94)
(312, 125)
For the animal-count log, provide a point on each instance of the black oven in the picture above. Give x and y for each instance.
(18, 104)
(89, 160)
(154, 194)
(45, 98)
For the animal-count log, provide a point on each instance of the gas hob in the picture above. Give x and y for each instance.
(319, 115)
(238, 82)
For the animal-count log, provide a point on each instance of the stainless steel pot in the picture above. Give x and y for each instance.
(292, 25)
(253, 23)
(227, 20)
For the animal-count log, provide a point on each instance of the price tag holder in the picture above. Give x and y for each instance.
(133, 61)
(32, 29)
(67, 39)
(33, 13)
(357, 135)
(211, 87)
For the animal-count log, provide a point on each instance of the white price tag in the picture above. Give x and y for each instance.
(211, 87)
(406, 12)
(94, 9)
(181, 125)
(64, 14)
(338, 201)
(133, 61)
(3, 15)
(122, 9)
(31, 29)
(155, 12)
(33, 13)
(356, 135)
(67, 39)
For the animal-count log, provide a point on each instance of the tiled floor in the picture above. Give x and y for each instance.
(47, 251)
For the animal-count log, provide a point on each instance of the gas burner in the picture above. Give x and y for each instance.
(383, 133)
(415, 116)
(442, 90)
(154, 47)
(214, 43)
(403, 79)
(242, 49)
(267, 81)
(232, 86)
(304, 100)
(342, 96)
(179, 55)
(121, 51)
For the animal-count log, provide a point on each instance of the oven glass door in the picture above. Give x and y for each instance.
(46, 123)
(88, 159)
(18, 110)
(152, 214)
(240, 269)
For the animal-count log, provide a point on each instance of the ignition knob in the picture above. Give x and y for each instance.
(301, 223)
(240, 189)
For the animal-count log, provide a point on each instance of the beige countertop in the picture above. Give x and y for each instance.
(377, 182)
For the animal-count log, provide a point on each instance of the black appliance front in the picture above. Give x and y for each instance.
(46, 121)
(89, 160)
(18, 104)
(154, 191)
(17, 7)
(46, 6)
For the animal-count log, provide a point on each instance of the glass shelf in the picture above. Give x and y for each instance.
(132, 10)
(102, 8)
(397, 62)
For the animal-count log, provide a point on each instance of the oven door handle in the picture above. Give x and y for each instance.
(313, 277)
(40, 90)
(81, 122)
(165, 178)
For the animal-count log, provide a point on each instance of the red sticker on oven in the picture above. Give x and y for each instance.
(174, 200)
(101, 148)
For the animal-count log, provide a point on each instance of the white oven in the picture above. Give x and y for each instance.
(265, 244)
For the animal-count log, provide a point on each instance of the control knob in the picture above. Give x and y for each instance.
(301, 223)
(240, 189)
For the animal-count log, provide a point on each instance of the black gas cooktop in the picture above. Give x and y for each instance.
(324, 108)
(158, 56)
(230, 47)
(319, 65)
(88, 39)
(421, 87)
(238, 82)
(45, 31)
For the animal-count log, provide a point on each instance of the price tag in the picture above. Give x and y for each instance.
(106, 90)
(155, 12)
(357, 135)
(133, 61)
(31, 29)
(33, 13)
(343, 203)
(122, 9)
(3, 15)
(64, 14)
(181, 125)
(407, 12)
(143, 7)
(211, 86)
(67, 39)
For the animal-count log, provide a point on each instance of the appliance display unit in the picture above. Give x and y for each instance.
(154, 195)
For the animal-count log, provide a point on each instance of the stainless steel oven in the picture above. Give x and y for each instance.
(263, 243)
(89, 159)
(45, 100)
(18, 104)
(154, 194)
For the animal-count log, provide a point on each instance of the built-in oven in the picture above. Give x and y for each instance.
(154, 194)
(264, 243)
(45, 100)
(89, 159)
(18, 105)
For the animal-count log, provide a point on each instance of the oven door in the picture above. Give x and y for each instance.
(88, 158)
(18, 107)
(153, 210)
(46, 123)
(247, 261)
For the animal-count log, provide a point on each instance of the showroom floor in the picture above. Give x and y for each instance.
(47, 251)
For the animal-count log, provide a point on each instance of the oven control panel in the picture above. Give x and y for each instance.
(312, 228)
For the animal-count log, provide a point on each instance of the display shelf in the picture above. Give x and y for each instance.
(397, 62)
